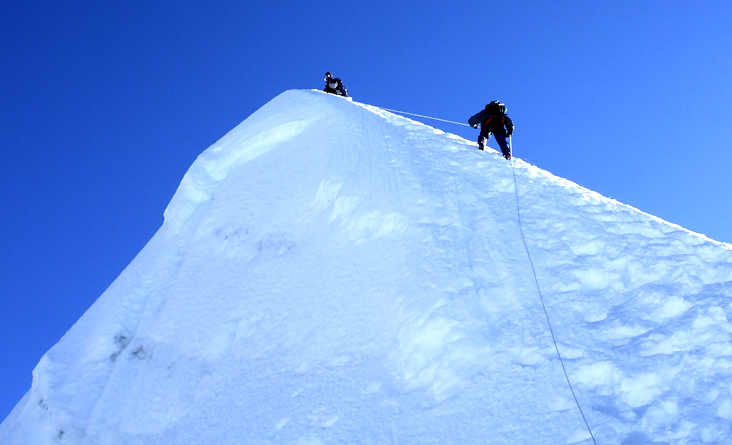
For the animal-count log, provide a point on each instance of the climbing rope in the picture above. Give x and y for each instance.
(531, 262)
(518, 211)
(426, 117)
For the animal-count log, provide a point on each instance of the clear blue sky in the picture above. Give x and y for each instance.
(104, 105)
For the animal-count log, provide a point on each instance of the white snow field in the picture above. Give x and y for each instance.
(331, 273)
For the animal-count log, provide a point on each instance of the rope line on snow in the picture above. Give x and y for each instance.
(531, 262)
(427, 117)
(536, 280)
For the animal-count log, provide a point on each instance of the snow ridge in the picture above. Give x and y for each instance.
(331, 272)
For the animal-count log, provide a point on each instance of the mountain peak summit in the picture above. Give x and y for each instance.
(331, 272)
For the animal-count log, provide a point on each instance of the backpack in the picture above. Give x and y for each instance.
(495, 108)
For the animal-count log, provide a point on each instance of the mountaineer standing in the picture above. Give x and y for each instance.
(493, 120)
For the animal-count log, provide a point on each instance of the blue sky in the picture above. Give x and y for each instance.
(104, 105)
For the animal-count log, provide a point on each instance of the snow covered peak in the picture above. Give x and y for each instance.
(329, 272)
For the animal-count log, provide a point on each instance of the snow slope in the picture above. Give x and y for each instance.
(329, 272)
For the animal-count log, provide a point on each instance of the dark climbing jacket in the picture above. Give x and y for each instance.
(335, 86)
(492, 119)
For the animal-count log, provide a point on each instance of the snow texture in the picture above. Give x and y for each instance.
(329, 272)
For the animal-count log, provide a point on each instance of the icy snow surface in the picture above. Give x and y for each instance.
(329, 272)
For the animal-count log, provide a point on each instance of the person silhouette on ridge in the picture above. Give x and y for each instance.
(334, 85)
(493, 120)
